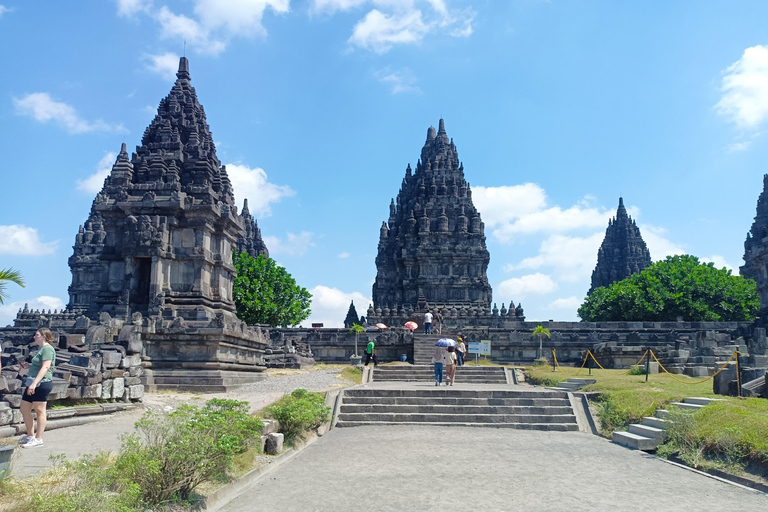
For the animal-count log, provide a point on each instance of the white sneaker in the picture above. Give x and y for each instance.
(33, 443)
(25, 439)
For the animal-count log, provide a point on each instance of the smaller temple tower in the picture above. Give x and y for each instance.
(622, 253)
(352, 317)
(756, 250)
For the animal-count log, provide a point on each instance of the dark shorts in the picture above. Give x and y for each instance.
(41, 393)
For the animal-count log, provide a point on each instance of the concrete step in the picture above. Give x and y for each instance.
(584, 382)
(645, 430)
(555, 427)
(457, 418)
(662, 413)
(453, 409)
(689, 407)
(635, 441)
(447, 400)
(455, 393)
(697, 400)
(651, 421)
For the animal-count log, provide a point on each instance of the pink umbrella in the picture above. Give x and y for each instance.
(381, 326)
(411, 325)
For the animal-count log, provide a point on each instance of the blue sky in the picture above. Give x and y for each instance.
(317, 106)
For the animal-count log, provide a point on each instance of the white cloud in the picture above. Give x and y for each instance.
(332, 6)
(566, 303)
(745, 89)
(21, 240)
(127, 8)
(94, 183)
(41, 107)
(512, 211)
(240, 17)
(720, 262)
(330, 305)
(3, 10)
(294, 245)
(378, 31)
(573, 258)
(343, 255)
(8, 311)
(166, 65)
(739, 146)
(178, 26)
(659, 246)
(520, 287)
(400, 81)
(252, 184)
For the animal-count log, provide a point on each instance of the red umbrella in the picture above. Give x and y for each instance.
(381, 326)
(411, 325)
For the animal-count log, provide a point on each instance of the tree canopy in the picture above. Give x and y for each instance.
(265, 293)
(679, 286)
(8, 275)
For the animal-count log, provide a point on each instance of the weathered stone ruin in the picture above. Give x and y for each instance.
(432, 253)
(352, 318)
(152, 268)
(622, 253)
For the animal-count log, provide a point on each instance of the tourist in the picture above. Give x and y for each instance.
(39, 384)
(438, 360)
(370, 353)
(428, 322)
(461, 351)
(449, 360)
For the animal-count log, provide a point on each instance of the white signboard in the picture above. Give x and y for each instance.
(480, 347)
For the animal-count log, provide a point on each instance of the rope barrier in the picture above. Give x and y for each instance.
(699, 381)
(589, 352)
(560, 368)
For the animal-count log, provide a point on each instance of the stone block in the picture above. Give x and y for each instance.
(63, 375)
(13, 400)
(136, 371)
(118, 388)
(93, 391)
(96, 335)
(94, 380)
(132, 360)
(758, 360)
(106, 389)
(697, 371)
(111, 358)
(74, 340)
(76, 380)
(113, 347)
(269, 427)
(3, 385)
(90, 363)
(75, 392)
(17, 417)
(274, 443)
(6, 416)
(132, 381)
(136, 392)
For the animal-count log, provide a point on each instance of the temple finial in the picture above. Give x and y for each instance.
(441, 126)
(621, 202)
(183, 69)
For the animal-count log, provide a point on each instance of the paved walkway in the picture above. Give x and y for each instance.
(457, 468)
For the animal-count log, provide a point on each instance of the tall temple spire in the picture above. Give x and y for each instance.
(622, 253)
(183, 72)
(756, 250)
(433, 244)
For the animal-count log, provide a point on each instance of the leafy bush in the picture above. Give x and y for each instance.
(299, 412)
(637, 370)
(173, 454)
(541, 361)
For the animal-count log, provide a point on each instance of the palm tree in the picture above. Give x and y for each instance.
(541, 332)
(6, 275)
(357, 329)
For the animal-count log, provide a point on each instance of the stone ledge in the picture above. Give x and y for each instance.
(70, 416)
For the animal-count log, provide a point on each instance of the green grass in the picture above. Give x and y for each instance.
(352, 374)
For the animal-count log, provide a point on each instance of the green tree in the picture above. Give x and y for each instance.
(357, 329)
(540, 332)
(8, 275)
(679, 286)
(265, 293)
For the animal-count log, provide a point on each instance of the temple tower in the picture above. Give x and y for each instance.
(756, 250)
(622, 253)
(432, 252)
(159, 240)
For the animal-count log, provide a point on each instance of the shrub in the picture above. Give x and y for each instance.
(173, 454)
(299, 412)
(541, 361)
(637, 370)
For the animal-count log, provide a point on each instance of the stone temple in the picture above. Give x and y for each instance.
(432, 252)
(157, 246)
(622, 253)
(756, 250)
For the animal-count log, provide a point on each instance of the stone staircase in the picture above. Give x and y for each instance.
(573, 384)
(426, 373)
(197, 381)
(649, 434)
(424, 347)
(531, 410)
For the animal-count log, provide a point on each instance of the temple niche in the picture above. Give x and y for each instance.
(622, 253)
(159, 242)
(756, 251)
(432, 252)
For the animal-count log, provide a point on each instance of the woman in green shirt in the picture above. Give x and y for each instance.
(39, 384)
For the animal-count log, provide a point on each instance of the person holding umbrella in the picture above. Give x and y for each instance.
(439, 358)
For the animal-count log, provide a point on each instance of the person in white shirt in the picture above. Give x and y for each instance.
(428, 323)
